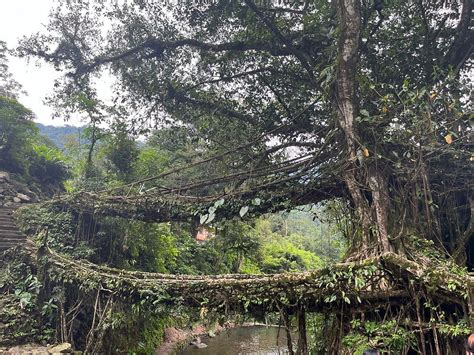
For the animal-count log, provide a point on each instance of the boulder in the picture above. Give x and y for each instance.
(60, 348)
(23, 197)
(4, 176)
(175, 335)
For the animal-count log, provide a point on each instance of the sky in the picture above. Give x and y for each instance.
(24, 17)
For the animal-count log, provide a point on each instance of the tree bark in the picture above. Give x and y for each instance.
(302, 348)
(287, 325)
(379, 188)
(372, 215)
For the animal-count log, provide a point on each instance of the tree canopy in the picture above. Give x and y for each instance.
(319, 100)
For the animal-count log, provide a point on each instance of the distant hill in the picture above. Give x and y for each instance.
(57, 134)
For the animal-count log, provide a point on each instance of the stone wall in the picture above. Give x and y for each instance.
(13, 192)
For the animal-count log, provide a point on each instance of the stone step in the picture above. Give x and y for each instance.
(8, 243)
(13, 240)
(6, 247)
(9, 230)
(8, 223)
(11, 243)
(8, 227)
(3, 226)
(9, 234)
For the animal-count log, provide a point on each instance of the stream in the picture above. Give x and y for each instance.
(259, 340)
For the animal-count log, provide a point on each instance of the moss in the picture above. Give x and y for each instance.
(137, 333)
(24, 317)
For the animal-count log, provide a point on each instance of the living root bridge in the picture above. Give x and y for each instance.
(361, 286)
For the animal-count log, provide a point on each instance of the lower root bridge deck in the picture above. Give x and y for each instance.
(361, 285)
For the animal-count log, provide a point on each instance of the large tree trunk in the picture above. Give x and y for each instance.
(372, 210)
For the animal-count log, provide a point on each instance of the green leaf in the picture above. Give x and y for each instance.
(203, 218)
(364, 112)
(219, 203)
(211, 217)
(243, 211)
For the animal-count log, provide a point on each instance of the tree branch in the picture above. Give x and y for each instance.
(158, 47)
(297, 53)
(463, 44)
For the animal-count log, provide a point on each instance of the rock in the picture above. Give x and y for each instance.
(175, 335)
(199, 329)
(198, 343)
(211, 334)
(16, 199)
(23, 197)
(7, 204)
(218, 328)
(4, 176)
(61, 348)
(14, 350)
(26, 350)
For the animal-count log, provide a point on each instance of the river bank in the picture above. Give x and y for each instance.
(35, 349)
(177, 339)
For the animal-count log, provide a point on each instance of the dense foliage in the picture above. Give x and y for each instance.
(22, 149)
(16, 130)
(249, 108)
(376, 122)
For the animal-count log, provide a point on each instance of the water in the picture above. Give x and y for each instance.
(256, 340)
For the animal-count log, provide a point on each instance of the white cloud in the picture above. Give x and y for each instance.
(17, 19)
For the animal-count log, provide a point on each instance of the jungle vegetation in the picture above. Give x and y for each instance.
(244, 108)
